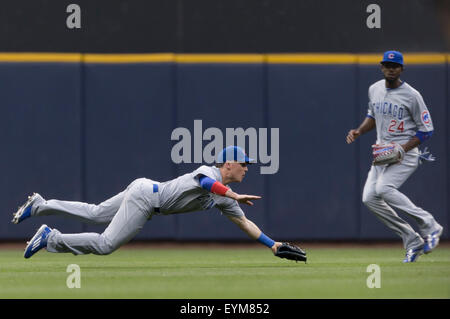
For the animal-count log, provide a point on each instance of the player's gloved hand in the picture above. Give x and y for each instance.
(291, 252)
(426, 155)
(387, 153)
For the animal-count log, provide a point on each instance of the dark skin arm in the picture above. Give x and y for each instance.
(369, 124)
(412, 143)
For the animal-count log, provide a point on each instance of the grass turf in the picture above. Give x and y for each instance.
(193, 273)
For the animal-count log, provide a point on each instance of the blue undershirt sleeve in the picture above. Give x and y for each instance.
(206, 182)
(423, 136)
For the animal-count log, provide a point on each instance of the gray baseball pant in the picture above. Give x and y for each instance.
(381, 195)
(126, 213)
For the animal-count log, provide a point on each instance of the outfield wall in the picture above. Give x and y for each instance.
(82, 127)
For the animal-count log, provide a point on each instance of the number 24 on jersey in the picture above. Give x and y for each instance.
(393, 127)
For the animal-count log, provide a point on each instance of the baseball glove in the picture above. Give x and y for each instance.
(291, 252)
(426, 156)
(387, 153)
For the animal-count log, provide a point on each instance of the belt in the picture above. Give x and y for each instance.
(155, 190)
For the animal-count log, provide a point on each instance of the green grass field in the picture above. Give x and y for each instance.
(196, 273)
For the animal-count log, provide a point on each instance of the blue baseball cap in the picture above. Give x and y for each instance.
(235, 154)
(393, 56)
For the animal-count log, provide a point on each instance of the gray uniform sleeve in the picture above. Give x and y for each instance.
(207, 171)
(420, 113)
(226, 205)
(230, 207)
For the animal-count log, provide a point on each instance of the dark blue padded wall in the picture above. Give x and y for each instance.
(447, 91)
(40, 138)
(313, 194)
(129, 117)
(85, 131)
(222, 96)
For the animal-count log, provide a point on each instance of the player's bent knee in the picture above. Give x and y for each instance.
(105, 250)
(106, 247)
(94, 212)
(368, 198)
(384, 190)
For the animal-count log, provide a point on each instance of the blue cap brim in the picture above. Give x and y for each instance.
(388, 61)
(249, 160)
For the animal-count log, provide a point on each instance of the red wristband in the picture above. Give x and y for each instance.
(219, 189)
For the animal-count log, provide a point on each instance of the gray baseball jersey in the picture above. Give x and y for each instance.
(399, 113)
(184, 194)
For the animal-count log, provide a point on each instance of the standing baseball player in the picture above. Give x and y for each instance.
(127, 212)
(402, 122)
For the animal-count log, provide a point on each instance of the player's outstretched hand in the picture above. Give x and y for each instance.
(352, 136)
(246, 199)
(275, 247)
(289, 251)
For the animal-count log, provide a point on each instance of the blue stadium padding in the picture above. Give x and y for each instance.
(427, 187)
(40, 138)
(447, 90)
(222, 96)
(77, 132)
(313, 194)
(129, 118)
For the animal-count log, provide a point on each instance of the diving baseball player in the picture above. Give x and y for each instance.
(127, 212)
(400, 116)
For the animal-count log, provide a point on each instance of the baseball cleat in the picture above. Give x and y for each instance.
(38, 241)
(412, 255)
(432, 240)
(24, 211)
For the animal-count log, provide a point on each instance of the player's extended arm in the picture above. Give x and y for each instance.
(218, 188)
(254, 232)
(367, 125)
(412, 143)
